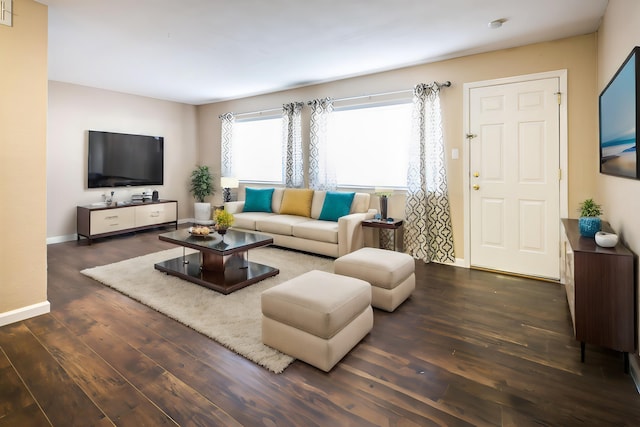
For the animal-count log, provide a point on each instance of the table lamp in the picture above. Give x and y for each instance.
(383, 193)
(227, 183)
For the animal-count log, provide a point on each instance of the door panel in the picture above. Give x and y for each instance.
(493, 223)
(492, 152)
(531, 226)
(514, 162)
(533, 153)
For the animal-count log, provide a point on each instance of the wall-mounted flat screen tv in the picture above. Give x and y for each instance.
(619, 120)
(119, 160)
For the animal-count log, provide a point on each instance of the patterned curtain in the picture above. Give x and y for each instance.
(322, 174)
(226, 168)
(292, 171)
(427, 234)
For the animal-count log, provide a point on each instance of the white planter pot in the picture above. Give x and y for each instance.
(202, 213)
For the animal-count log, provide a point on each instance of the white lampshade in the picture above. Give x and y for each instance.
(229, 182)
(383, 191)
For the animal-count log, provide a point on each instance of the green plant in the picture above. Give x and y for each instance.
(589, 208)
(223, 218)
(201, 183)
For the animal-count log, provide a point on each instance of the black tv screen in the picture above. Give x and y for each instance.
(118, 160)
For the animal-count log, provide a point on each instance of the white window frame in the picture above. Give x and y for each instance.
(353, 151)
(258, 159)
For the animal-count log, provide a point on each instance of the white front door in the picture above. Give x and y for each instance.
(514, 165)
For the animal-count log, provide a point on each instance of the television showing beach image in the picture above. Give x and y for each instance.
(618, 119)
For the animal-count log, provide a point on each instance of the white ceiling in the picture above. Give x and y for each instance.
(202, 51)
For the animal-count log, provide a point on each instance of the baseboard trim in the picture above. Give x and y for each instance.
(24, 313)
(61, 239)
(634, 370)
(459, 262)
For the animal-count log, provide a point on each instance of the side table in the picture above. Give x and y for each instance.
(386, 224)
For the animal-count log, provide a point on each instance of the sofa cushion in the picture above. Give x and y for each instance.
(360, 203)
(279, 224)
(258, 199)
(316, 204)
(247, 220)
(336, 204)
(297, 201)
(321, 231)
(276, 199)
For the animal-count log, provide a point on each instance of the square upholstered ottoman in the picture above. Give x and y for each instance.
(390, 273)
(317, 317)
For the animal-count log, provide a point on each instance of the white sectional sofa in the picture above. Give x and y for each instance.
(326, 223)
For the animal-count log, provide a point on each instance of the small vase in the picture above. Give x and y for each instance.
(383, 207)
(589, 226)
(221, 230)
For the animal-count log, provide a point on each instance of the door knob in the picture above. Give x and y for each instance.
(476, 187)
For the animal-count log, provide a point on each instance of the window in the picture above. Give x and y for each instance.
(370, 145)
(257, 149)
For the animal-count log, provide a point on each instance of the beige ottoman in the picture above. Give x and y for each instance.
(390, 273)
(317, 317)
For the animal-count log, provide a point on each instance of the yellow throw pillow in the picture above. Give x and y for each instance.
(297, 201)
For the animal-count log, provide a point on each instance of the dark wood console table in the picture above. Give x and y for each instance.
(601, 291)
(385, 224)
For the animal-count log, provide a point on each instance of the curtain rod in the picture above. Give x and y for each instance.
(271, 110)
(258, 112)
(350, 98)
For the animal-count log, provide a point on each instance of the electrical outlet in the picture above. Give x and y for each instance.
(6, 12)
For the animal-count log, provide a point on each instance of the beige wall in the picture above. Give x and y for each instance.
(23, 114)
(577, 55)
(618, 34)
(73, 110)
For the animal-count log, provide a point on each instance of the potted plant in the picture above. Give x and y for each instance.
(589, 221)
(223, 219)
(201, 187)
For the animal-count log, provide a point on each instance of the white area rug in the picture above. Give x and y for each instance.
(233, 320)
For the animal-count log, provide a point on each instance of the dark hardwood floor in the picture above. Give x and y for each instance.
(468, 348)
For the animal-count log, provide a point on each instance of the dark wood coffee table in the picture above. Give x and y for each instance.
(221, 264)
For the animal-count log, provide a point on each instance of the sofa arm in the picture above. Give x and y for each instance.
(350, 236)
(234, 207)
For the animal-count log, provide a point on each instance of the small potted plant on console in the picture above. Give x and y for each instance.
(589, 221)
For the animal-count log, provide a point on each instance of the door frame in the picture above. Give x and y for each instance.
(564, 141)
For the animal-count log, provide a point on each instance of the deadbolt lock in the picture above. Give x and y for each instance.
(476, 174)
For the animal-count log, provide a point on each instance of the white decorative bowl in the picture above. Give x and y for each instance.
(606, 240)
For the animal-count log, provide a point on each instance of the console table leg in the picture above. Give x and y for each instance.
(582, 348)
(626, 362)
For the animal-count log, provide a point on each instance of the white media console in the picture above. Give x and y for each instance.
(103, 221)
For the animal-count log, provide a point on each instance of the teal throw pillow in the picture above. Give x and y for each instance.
(257, 199)
(336, 204)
